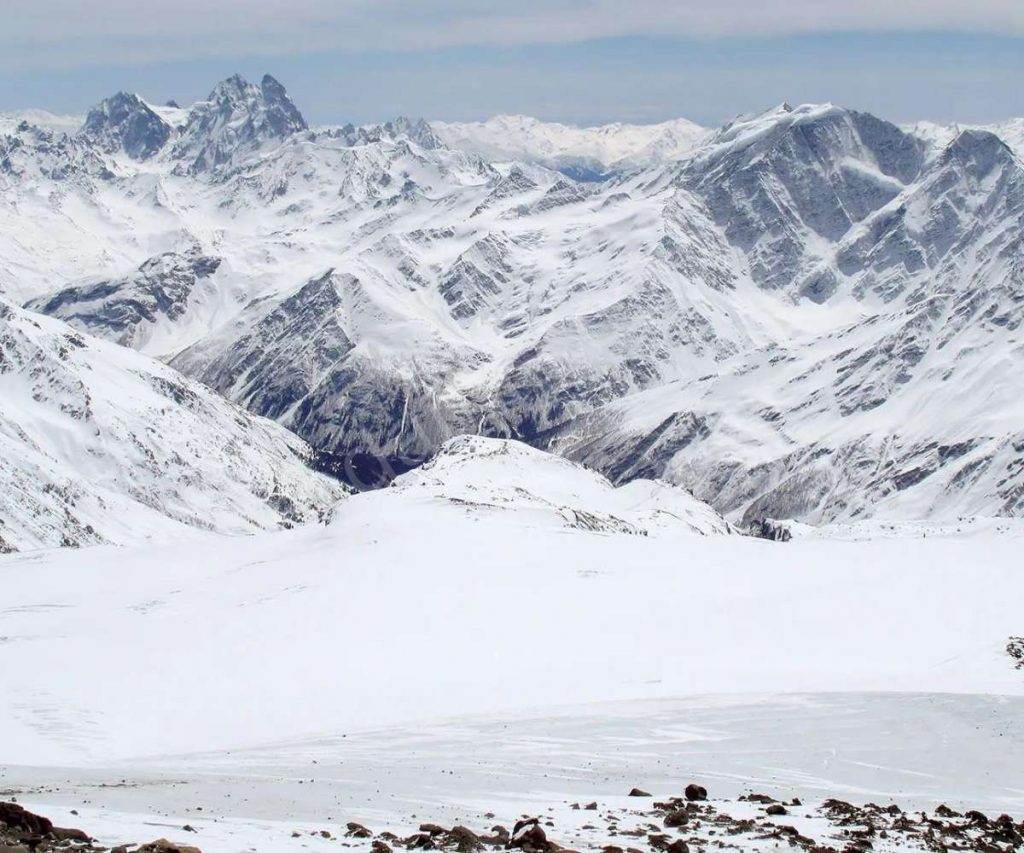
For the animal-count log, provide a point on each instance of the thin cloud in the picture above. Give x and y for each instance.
(41, 34)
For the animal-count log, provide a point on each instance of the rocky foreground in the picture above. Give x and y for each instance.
(676, 824)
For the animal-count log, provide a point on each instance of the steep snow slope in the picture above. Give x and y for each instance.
(912, 411)
(583, 152)
(101, 444)
(378, 292)
(427, 599)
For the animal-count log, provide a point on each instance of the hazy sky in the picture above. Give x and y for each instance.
(573, 60)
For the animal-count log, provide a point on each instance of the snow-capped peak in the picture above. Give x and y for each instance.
(124, 122)
(237, 117)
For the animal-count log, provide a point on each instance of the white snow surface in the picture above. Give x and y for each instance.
(502, 632)
(486, 475)
(415, 604)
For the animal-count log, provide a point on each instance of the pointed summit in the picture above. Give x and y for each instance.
(236, 118)
(977, 152)
(282, 115)
(123, 122)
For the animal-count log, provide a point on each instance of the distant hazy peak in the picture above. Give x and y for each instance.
(556, 145)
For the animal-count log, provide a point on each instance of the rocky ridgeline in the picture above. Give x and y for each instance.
(677, 824)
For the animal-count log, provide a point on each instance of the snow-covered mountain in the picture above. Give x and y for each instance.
(102, 444)
(808, 313)
(585, 153)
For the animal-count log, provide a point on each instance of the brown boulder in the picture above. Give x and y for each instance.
(465, 839)
(18, 818)
(679, 817)
(696, 792)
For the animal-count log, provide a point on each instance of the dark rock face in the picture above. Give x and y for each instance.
(284, 356)
(119, 309)
(767, 528)
(282, 116)
(124, 122)
(794, 180)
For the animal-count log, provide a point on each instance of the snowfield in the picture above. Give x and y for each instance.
(517, 590)
(460, 643)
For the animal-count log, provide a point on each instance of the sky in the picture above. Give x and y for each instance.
(580, 61)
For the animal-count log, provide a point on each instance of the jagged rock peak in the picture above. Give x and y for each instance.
(237, 117)
(415, 129)
(124, 122)
(282, 114)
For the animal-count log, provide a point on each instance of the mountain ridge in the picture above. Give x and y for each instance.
(378, 291)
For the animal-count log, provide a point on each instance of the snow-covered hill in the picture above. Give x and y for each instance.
(495, 477)
(102, 444)
(807, 313)
(586, 153)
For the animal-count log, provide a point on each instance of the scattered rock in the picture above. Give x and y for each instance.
(465, 839)
(1015, 649)
(636, 792)
(162, 845)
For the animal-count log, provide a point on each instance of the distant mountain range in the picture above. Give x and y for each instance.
(810, 313)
